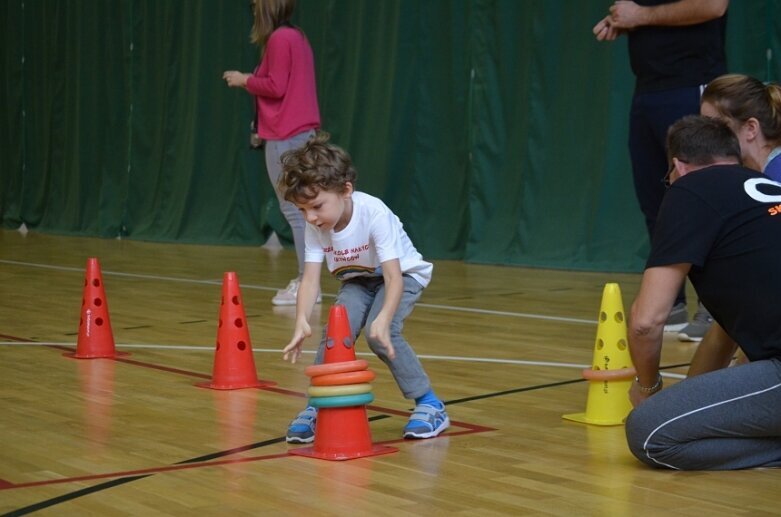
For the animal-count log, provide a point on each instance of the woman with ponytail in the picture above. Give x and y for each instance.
(753, 110)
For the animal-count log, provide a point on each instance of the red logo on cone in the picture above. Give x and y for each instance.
(95, 337)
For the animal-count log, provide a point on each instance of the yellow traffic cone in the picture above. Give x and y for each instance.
(611, 374)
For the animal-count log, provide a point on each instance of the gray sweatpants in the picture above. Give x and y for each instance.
(363, 298)
(274, 150)
(723, 420)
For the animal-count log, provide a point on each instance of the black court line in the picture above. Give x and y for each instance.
(221, 454)
(122, 481)
(73, 495)
(193, 321)
(137, 327)
(510, 392)
(538, 387)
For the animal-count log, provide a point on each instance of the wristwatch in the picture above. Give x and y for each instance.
(651, 389)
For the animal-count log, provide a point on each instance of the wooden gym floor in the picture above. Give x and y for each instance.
(504, 347)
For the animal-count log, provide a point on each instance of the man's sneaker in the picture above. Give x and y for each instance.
(426, 422)
(287, 296)
(699, 325)
(302, 429)
(678, 318)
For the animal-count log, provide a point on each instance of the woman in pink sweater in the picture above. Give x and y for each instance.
(285, 92)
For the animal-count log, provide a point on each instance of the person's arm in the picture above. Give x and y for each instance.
(305, 302)
(627, 15)
(714, 352)
(394, 286)
(278, 62)
(658, 289)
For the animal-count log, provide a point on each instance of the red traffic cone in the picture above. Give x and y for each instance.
(95, 337)
(339, 345)
(342, 434)
(234, 365)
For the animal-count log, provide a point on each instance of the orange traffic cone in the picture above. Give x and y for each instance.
(95, 337)
(339, 345)
(234, 365)
(341, 433)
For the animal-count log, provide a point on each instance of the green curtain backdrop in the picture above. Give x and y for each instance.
(496, 130)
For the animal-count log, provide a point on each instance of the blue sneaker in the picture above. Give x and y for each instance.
(426, 421)
(302, 429)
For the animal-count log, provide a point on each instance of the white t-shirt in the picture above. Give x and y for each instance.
(374, 235)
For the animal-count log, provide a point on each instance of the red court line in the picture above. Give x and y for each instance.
(5, 485)
(171, 468)
(474, 427)
(149, 471)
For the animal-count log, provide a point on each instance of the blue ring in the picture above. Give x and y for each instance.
(342, 400)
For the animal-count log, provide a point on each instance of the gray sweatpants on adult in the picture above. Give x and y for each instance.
(363, 298)
(722, 420)
(274, 150)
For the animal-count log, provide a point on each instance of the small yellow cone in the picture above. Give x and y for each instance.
(611, 374)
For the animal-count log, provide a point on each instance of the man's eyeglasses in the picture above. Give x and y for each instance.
(666, 181)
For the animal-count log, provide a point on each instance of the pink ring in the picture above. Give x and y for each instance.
(608, 375)
(340, 367)
(337, 379)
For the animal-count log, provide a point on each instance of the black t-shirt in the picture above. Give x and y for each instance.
(666, 58)
(725, 220)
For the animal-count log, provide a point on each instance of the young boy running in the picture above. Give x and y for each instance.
(382, 275)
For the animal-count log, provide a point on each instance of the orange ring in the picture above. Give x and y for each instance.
(340, 367)
(336, 379)
(609, 375)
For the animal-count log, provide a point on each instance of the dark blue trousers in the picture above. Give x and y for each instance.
(649, 118)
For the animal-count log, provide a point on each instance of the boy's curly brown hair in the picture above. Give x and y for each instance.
(314, 167)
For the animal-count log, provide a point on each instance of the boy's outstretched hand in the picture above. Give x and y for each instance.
(380, 331)
(293, 349)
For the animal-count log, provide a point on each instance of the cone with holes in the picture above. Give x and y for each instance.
(340, 392)
(95, 337)
(234, 365)
(611, 373)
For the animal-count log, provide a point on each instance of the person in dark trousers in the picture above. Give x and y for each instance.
(675, 48)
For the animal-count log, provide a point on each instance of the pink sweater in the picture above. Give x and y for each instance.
(284, 86)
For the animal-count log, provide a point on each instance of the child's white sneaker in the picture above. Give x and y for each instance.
(287, 296)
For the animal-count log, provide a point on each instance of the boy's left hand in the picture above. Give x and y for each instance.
(380, 331)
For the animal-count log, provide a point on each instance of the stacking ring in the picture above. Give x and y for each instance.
(336, 391)
(336, 379)
(344, 401)
(340, 367)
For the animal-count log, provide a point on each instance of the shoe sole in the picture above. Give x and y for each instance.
(675, 328)
(445, 424)
(686, 337)
(295, 439)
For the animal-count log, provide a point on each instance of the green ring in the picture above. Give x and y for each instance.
(342, 401)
